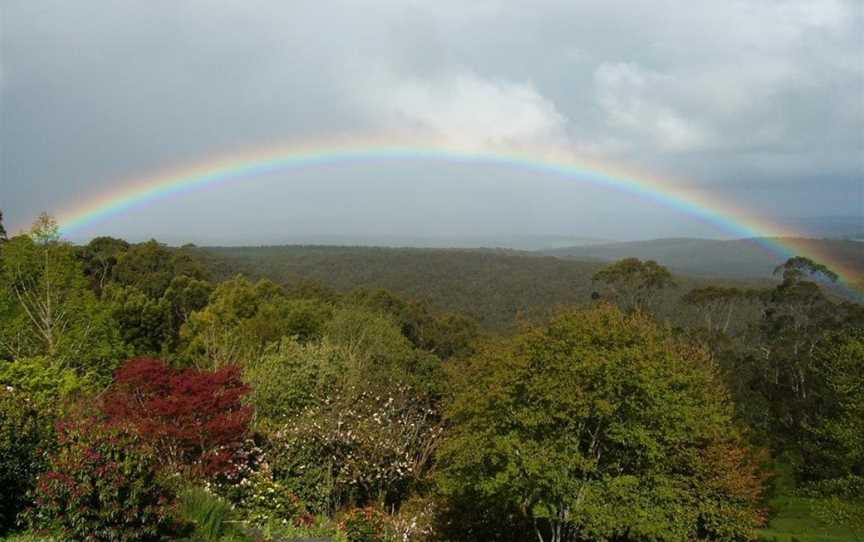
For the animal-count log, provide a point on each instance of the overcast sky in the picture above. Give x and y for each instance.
(757, 102)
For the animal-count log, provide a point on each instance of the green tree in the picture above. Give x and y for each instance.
(49, 309)
(600, 426)
(717, 305)
(798, 267)
(144, 322)
(634, 284)
(99, 257)
(151, 267)
(242, 319)
(797, 316)
(445, 335)
(834, 436)
(292, 376)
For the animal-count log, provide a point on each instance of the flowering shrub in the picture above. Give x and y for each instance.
(102, 485)
(364, 525)
(194, 419)
(415, 520)
(24, 433)
(365, 445)
(265, 500)
(249, 485)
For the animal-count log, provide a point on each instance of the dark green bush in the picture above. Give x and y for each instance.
(24, 434)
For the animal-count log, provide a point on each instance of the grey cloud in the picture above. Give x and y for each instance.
(760, 100)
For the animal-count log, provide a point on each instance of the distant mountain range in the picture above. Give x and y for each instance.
(739, 258)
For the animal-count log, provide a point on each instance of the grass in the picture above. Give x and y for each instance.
(27, 537)
(793, 518)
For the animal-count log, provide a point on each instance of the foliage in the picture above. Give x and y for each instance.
(839, 502)
(834, 440)
(194, 419)
(634, 284)
(717, 305)
(796, 268)
(601, 425)
(30, 536)
(99, 258)
(787, 371)
(207, 516)
(445, 335)
(49, 308)
(800, 513)
(378, 350)
(364, 525)
(44, 381)
(144, 322)
(152, 325)
(243, 319)
(292, 376)
(250, 486)
(207, 512)
(415, 521)
(492, 287)
(25, 437)
(151, 267)
(102, 484)
(359, 445)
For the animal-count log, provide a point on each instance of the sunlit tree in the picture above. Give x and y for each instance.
(600, 426)
(50, 309)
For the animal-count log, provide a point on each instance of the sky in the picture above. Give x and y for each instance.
(759, 104)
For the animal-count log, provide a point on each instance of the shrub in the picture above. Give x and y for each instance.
(24, 434)
(102, 485)
(415, 521)
(249, 485)
(364, 525)
(195, 419)
(292, 376)
(360, 446)
(207, 513)
(45, 381)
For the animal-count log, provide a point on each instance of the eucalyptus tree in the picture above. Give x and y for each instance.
(634, 284)
(46, 305)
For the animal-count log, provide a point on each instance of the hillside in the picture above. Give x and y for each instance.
(739, 258)
(492, 286)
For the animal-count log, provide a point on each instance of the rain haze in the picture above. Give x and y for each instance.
(756, 103)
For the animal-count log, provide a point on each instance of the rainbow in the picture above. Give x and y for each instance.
(135, 193)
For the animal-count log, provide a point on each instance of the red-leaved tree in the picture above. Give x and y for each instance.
(195, 419)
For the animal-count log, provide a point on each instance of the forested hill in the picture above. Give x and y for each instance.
(739, 258)
(495, 287)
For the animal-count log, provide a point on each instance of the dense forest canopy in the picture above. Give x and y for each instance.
(151, 392)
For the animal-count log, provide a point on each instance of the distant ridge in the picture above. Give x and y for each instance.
(737, 258)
